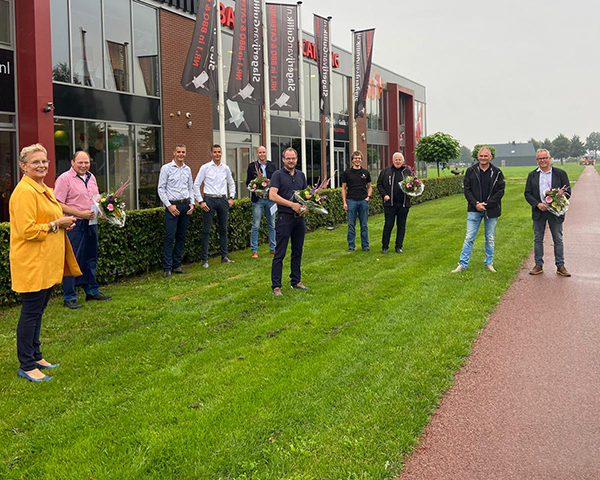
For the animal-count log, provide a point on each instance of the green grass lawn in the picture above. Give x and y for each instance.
(207, 376)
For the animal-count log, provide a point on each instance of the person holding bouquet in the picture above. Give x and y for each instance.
(539, 182)
(484, 189)
(291, 224)
(356, 194)
(260, 201)
(40, 255)
(75, 190)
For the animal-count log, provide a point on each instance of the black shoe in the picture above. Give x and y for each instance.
(384, 250)
(350, 249)
(226, 260)
(366, 249)
(167, 274)
(300, 286)
(399, 250)
(73, 304)
(179, 270)
(99, 296)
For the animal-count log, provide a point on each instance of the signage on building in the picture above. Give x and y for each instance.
(7, 81)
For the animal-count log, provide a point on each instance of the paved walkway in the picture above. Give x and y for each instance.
(527, 403)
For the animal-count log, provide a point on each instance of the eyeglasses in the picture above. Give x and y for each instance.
(37, 163)
(543, 158)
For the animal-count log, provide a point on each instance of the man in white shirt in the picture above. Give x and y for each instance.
(210, 189)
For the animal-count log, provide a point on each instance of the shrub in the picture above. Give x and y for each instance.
(137, 247)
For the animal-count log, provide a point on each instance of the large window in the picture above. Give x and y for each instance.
(145, 35)
(86, 38)
(340, 94)
(121, 166)
(61, 62)
(117, 32)
(148, 165)
(377, 159)
(5, 23)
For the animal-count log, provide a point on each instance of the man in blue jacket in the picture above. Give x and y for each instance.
(484, 189)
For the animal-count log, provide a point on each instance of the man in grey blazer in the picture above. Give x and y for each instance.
(540, 181)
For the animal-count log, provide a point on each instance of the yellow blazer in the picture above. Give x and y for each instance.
(38, 258)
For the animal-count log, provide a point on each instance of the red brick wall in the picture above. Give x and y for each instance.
(176, 34)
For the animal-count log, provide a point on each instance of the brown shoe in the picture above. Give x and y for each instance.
(254, 254)
(562, 271)
(536, 270)
(272, 252)
(277, 292)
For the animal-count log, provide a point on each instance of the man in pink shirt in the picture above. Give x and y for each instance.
(75, 190)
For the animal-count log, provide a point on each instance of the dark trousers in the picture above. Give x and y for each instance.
(221, 207)
(28, 328)
(84, 240)
(396, 214)
(556, 229)
(294, 228)
(175, 229)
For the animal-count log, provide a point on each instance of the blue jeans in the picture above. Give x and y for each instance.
(539, 228)
(358, 208)
(175, 229)
(473, 222)
(84, 240)
(263, 204)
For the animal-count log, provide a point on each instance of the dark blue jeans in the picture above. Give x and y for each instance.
(288, 228)
(84, 240)
(358, 208)
(175, 229)
(221, 207)
(28, 328)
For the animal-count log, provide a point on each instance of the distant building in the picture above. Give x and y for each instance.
(514, 154)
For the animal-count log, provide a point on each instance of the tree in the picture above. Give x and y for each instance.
(438, 148)
(547, 144)
(592, 142)
(577, 147)
(561, 146)
(465, 155)
(478, 147)
(535, 143)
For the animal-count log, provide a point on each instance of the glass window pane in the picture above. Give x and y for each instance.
(86, 35)
(145, 38)
(5, 22)
(149, 161)
(89, 136)
(61, 63)
(121, 165)
(63, 144)
(8, 169)
(117, 31)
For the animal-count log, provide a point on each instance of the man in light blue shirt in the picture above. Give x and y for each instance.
(176, 191)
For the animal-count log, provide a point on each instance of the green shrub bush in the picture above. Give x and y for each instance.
(137, 247)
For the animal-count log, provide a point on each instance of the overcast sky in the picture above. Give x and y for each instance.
(494, 71)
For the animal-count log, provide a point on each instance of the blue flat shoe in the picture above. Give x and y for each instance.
(44, 367)
(22, 374)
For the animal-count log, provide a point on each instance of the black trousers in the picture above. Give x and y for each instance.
(294, 228)
(28, 328)
(396, 214)
(175, 229)
(221, 207)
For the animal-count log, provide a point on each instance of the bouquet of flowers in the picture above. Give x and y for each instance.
(412, 186)
(111, 207)
(556, 201)
(311, 198)
(260, 184)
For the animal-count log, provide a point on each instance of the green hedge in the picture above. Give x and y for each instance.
(137, 248)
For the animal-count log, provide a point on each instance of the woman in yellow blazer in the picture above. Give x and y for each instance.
(40, 255)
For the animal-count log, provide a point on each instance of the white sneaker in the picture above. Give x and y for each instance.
(459, 269)
(490, 268)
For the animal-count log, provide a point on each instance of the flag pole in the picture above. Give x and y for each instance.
(220, 76)
(302, 113)
(331, 141)
(354, 145)
(267, 137)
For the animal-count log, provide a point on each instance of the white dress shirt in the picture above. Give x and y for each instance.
(545, 182)
(175, 183)
(215, 178)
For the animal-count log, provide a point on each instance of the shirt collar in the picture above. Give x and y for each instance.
(34, 184)
(174, 164)
(544, 173)
(75, 174)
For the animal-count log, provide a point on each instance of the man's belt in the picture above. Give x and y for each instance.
(180, 202)
(209, 195)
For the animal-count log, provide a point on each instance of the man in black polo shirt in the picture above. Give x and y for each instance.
(356, 194)
(290, 220)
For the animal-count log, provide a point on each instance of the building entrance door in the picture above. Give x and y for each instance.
(238, 158)
(339, 154)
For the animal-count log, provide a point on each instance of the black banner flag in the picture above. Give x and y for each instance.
(200, 72)
(363, 54)
(247, 71)
(323, 62)
(283, 49)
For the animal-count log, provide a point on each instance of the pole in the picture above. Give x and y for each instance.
(302, 113)
(331, 152)
(267, 137)
(354, 145)
(222, 137)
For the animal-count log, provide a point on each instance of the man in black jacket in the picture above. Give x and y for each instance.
(484, 189)
(542, 179)
(261, 202)
(395, 203)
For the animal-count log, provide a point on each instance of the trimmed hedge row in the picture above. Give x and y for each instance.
(137, 247)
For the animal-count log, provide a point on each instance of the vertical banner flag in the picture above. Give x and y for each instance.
(363, 54)
(283, 52)
(200, 71)
(247, 70)
(323, 62)
(419, 124)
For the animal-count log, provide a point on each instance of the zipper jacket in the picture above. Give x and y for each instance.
(474, 194)
(386, 181)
